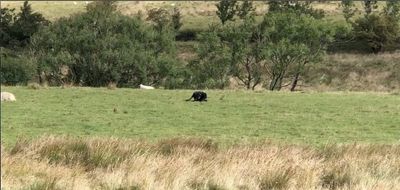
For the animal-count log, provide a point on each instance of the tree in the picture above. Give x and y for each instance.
(6, 22)
(165, 20)
(17, 29)
(232, 50)
(226, 10)
(245, 48)
(392, 12)
(212, 67)
(245, 8)
(100, 8)
(160, 17)
(377, 31)
(392, 9)
(176, 19)
(370, 5)
(27, 23)
(15, 69)
(103, 46)
(293, 42)
(283, 54)
(348, 9)
(296, 7)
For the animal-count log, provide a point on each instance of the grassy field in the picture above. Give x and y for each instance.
(228, 117)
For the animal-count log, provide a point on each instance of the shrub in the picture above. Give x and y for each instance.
(34, 86)
(16, 69)
(212, 68)
(17, 29)
(103, 46)
(377, 31)
(294, 41)
(297, 7)
(226, 10)
(176, 19)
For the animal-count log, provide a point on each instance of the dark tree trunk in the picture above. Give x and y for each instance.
(294, 82)
(276, 83)
(255, 84)
(297, 76)
(249, 77)
(273, 83)
(40, 77)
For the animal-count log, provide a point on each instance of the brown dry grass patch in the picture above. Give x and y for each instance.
(183, 163)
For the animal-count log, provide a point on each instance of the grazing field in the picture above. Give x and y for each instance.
(228, 117)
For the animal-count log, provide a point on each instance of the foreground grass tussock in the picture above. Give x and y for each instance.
(72, 163)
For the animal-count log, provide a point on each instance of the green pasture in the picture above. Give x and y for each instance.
(228, 116)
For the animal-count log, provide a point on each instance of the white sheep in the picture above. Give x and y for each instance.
(6, 96)
(141, 86)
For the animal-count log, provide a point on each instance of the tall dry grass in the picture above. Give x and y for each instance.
(71, 163)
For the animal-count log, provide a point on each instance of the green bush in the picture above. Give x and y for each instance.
(17, 29)
(103, 46)
(379, 32)
(16, 69)
(211, 69)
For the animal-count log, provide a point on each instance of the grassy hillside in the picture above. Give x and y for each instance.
(228, 116)
(355, 72)
(196, 14)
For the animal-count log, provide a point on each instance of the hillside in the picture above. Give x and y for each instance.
(196, 14)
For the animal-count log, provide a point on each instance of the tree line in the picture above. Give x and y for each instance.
(103, 46)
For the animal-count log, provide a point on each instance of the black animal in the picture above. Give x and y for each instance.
(198, 96)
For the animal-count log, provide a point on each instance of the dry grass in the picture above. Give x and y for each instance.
(70, 163)
(112, 86)
(356, 72)
(34, 86)
(189, 8)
